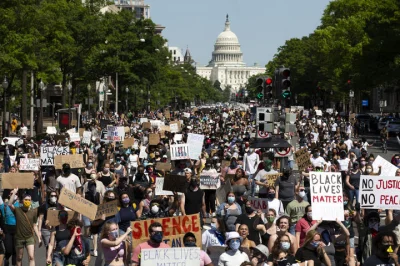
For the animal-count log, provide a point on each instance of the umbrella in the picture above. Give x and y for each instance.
(270, 143)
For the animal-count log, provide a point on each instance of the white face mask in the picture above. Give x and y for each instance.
(155, 209)
(53, 199)
(302, 193)
(369, 170)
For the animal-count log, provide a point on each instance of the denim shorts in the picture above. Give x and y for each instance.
(58, 258)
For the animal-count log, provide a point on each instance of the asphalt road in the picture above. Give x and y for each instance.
(393, 147)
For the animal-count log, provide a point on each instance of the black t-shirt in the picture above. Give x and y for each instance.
(193, 201)
(304, 254)
(251, 223)
(290, 260)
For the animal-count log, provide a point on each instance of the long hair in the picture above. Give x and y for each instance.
(106, 229)
(310, 236)
(222, 227)
(277, 244)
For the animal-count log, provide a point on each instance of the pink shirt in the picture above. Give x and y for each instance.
(204, 258)
(145, 245)
(302, 226)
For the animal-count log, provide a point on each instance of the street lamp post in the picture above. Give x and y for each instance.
(89, 87)
(126, 100)
(148, 99)
(41, 88)
(5, 87)
(141, 93)
(69, 86)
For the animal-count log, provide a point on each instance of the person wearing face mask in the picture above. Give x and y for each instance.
(281, 245)
(114, 245)
(274, 203)
(140, 182)
(214, 237)
(26, 228)
(229, 210)
(128, 211)
(230, 169)
(296, 209)
(44, 228)
(210, 194)
(58, 234)
(68, 180)
(102, 157)
(89, 168)
(367, 236)
(234, 255)
(285, 187)
(312, 249)
(107, 177)
(193, 200)
(144, 205)
(385, 244)
(283, 229)
(189, 240)
(317, 160)
(261, 178)
(155, 241)
(303, 225)
(253, 221)
(353, 182)
(119, 169)
(250, 163)
(9, 228)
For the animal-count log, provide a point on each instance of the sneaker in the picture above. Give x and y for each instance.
(94, 253)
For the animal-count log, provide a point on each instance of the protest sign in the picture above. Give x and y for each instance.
(86, 137)
(318, 112)
(271, 179)
(146, 125)
(159, 188)
(225, 115)
(29, 164)
(326, 196)
(329, 111)
(71, 131)
(74, 137)
(52, 216)
(47, 154)
(165, 128)
(127, 129)
(302, 159)
(77, 203)
(211, 182)
(128, 142)
(174, 128)
(17, 180)
(387, 169)
(104, 123)
(195, 142)
(179, 152)
(115, 133)
(176, 183)
(177, 137)
(144, 120)
(154, 139)
(170, 256)
(186, 115)
(259, 204)
(156, 123)
(163, 166)
(174, 228)
(379, 192)
(51, 130)
(143, 153)
(74, 161)
(167, 114)
(306, 113)
(222, 191)
(107, 208)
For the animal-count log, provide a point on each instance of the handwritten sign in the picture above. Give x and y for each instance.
(74, 161)
(86, 137)
(115, 133)
(170, 256)
(29, 164)
(52, 216)
(154, 139)
(209, 182)
(387, 169)
(302, 159)
(74, 137)
(17, 180)
(163, 166)
(259, 204)
(179, 152)
(195, 142)
(107, 208)
(175, 183)
(379, 192)
(326, 196)
(48, 153)
(128, 142)
(174, 228)
(77, 203)
(146, 125)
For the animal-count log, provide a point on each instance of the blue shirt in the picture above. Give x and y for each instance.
(8, 214)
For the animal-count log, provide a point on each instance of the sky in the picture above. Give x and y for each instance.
(262, 26)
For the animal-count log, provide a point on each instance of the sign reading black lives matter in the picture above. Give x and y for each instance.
(48, 153)
(326, 196)
(379, 192)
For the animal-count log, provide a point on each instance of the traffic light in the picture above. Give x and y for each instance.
(260, 87)
(264, 87)
(268, 88)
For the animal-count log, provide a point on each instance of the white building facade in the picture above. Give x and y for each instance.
(227, 64)
(176, 55)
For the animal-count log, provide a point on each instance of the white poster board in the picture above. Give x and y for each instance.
(387, 169)
(74, 137)
(47, 154)
(379, 192)
(143, 153)
(326, 196)
(174, 128)
(115, 133)
(195, 142)
(143, 120)
(318, 112)
(179, 152)
(159, 188)
(51, 130)
(29, 164)
(86, 137)
(170, 256)
(306, 113)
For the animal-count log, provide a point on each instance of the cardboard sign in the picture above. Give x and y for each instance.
(379, 192)
(52, 216)
(159, 191)
(128, 142)
(80, 131)
(146, 125)
(127, 129)
(86, 137)
(154, 139)
(209, 182)
(175, 183)
(170, 256)
(179, 152)
(222, 191)
(115, 133)
(107, 208)
(165, 128)
(302, 159)
(48, 153)
(174, 228)
(225, 163)
(259, 204)
(167, 114)
(195, 142)
(175, 126)
(326, 196)
(29, 164)
(387, 169)
(163, 166)
(77, 203)
(17, 180)
(271, 179)
(74, 160)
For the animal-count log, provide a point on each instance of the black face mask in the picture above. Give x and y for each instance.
(249, 210)
(271, 195)
(67, 172)
(193, 183)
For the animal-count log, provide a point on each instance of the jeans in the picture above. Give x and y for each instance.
(291, 164)
(353, 193)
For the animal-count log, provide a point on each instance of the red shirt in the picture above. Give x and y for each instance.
(302, 226)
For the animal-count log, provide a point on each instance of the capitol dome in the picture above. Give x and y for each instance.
(227, 48)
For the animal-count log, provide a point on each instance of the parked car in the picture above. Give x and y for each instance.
(364, 119)
(393, 126)
(383, 122)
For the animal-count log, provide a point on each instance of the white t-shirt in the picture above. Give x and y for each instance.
(251, 162)
(318, 162)
(349, 144)
(71, 182)
(365, 146)
(209, 239)
(334, 126)
(344, 164)
(277, 205)
(133, 160)
(231, 258)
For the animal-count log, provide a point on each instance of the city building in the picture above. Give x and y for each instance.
(227, 64)
(176, 55)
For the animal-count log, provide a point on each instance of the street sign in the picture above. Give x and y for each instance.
(262, 134)
(364, 103)
(282, 152)
(351, 93)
